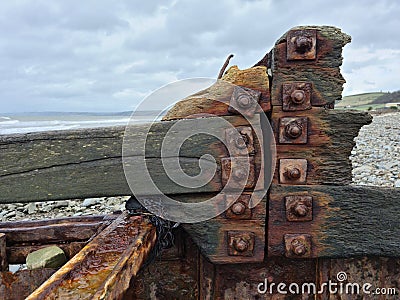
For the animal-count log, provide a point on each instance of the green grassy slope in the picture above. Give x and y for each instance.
(360, 101)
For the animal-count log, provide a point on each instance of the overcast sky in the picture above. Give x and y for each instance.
(94, 55)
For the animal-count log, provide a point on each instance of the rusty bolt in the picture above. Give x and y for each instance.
(238, 208)
(244, 101)
(300, 210)
(303, 44)
(292, 173)
(240, 245)
(293, 130)
(242, 141)
(298, 247)
(298, 96)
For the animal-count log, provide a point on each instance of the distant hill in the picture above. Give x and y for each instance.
(368, 100)
(388, 98)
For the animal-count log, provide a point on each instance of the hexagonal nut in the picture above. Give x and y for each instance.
(240, 141)
(239, 209)
(298, 208)
(293, 130)
(301, 44)
(296, 96)
(241, 243)
(292, 171)
(298, 245)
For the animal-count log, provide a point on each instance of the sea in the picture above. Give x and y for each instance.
(36, 122)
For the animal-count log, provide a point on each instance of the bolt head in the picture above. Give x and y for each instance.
(293, 173)
(241, 141)
(238, 208)
(298, 96)
(298, 248)
(300, 210)
(293, 130)
(241, 245)
(244, 101)
(303, 44)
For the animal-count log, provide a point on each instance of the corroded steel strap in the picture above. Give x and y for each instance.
(104, 267)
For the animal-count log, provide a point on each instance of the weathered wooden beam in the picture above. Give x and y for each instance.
(329, 140)
(103, 269)
(346, 221)
(3, 253)
(78, 231)
(323, 71)
(87, 163)
(215, 100)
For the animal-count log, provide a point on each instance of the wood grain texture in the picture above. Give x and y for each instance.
(87, 163)
(347, 221)
(330, 140)
(323, 72)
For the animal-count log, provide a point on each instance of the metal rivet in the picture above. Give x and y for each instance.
(298, 248)
(292, 173)
(240, 245)
(238, 208)
(299, 208)
(293, 130)
(298, 96)
(303, 44)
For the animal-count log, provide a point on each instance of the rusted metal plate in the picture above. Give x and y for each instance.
(296, 96)
(292, 171)
(244, 101)
(240, 141)
(104, 267)
(293, 130)
(301, 44)
(242, 170)
(298, 208)
(240, 243)
(240, 209)
(298, 245)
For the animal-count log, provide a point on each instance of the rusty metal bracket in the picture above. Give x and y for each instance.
(242, 170)
(298, 208)
(239, 210)
(301, 44)
(293, 130)
(298, 245)
(240, 141)
(292, 171)
(296, 96)
(240, 243)
(244, 101)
